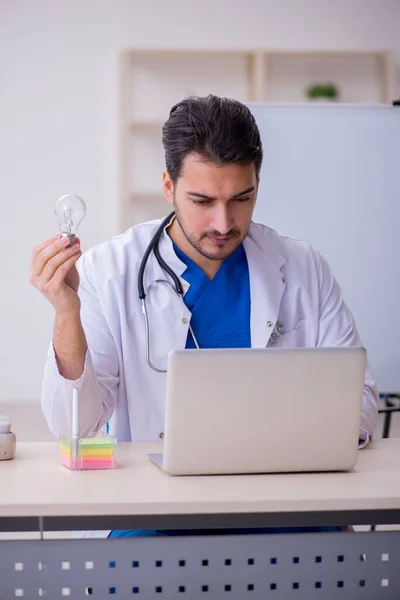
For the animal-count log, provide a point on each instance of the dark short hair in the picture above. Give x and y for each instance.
(220, 130)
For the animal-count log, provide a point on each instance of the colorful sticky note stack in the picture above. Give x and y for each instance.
(93, 453)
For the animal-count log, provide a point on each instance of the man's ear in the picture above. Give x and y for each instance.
(168, 187)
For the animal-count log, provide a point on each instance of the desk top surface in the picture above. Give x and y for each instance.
(35, 483)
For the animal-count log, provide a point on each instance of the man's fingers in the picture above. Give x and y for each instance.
(47, 253)
(55, 262)
(58, 279)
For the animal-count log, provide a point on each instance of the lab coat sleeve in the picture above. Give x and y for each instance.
(99, 381)
(337, 328)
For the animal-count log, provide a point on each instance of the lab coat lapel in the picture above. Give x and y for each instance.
(267, 284)
(168, 315)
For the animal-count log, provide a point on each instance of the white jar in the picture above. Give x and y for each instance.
(7, 439)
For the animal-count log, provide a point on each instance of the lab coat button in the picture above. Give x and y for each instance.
(283, 279)
(162, 435)
(269, 323)
(184, 320)
(185, 286)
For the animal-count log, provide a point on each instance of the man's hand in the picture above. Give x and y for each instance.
(53, 273)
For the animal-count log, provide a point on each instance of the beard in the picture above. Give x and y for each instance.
(220, 253)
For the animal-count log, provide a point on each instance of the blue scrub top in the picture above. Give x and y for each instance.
(220, 307)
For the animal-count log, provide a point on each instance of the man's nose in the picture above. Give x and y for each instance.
(221, 221)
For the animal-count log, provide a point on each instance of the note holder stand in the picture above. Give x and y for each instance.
(97, 451)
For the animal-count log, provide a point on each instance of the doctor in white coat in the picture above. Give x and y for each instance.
(213, 158)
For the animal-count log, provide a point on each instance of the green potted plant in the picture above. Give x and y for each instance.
(322, 91)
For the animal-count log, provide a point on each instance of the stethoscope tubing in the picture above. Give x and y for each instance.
(177, 287)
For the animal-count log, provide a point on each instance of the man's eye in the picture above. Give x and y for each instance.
(201, 202)
(204, 202)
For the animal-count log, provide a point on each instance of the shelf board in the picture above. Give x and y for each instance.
(325, 53)
(251, 51)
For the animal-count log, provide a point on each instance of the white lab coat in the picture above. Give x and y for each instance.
(289, 282)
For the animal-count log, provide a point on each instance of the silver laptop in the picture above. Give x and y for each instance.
(262, 410)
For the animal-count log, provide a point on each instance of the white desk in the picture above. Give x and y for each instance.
(139, 494)
(36, 491)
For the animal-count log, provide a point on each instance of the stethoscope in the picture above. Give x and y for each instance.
(176, 286)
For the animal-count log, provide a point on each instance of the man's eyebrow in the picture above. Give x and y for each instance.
(205, 197)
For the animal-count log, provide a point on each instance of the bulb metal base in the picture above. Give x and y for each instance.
(70, 236)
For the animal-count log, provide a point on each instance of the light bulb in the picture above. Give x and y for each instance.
(70, 211)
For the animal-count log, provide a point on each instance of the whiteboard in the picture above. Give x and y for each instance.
(331, 176)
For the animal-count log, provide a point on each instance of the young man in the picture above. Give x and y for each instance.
(241, 282)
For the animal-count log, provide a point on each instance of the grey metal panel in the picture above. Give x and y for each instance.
(340, 566)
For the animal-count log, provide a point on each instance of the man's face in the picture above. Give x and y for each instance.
(213, 204)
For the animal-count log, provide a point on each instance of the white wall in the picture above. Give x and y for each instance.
(58, 117)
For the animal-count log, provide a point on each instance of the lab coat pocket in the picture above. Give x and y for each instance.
(295, 338)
